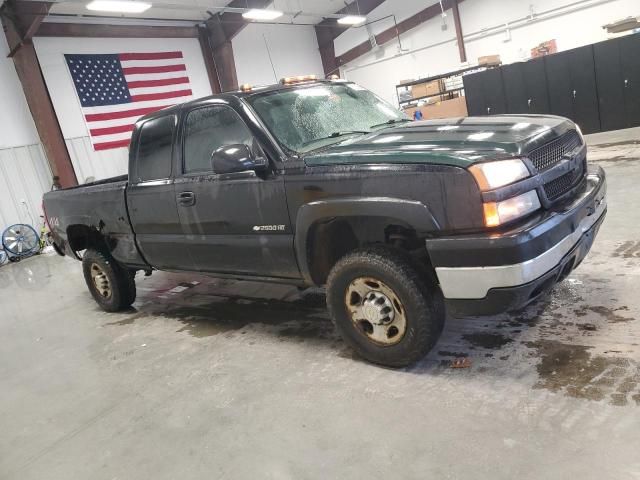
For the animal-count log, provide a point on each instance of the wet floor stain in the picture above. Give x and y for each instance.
(574, 371)
(206, 315)
(611, 315)
(628, 249)
(490, 341)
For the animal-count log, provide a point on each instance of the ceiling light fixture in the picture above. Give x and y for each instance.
(121, 6)
(352, 20)
(261, 14)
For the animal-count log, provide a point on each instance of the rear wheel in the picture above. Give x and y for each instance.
(384, 308)
(111, 285)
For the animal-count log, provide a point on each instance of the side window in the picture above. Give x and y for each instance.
(207, 129)
(154, 148)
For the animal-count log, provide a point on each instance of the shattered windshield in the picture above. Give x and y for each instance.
(308, 118)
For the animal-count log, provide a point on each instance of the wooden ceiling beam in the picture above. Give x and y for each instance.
(114, 31)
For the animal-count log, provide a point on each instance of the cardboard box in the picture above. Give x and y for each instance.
(429, 88)
(489, 60)
(545, 48)
(456, 107)
(452, 108)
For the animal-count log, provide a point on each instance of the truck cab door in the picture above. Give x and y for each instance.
(151, 196)
(233, 222)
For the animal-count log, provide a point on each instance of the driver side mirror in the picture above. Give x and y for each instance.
(236, 158)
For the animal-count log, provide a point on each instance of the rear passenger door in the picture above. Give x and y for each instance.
(235, 223)
(151, 197)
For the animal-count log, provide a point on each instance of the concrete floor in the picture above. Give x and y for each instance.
(216, 379)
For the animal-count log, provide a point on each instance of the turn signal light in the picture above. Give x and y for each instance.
(499, 213)
(298, 79)
(491, 217)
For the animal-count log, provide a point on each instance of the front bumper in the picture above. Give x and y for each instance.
(496, 272)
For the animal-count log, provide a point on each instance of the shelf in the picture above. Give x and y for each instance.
(444, 75)
(401, 102)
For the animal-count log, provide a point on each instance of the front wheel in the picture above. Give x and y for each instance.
(111, 285)
(383, 307)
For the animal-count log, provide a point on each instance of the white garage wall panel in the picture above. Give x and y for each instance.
(87, 162)
(431, 51)
(24, 171)
(293, 49)
(17, 124)
(24, 177)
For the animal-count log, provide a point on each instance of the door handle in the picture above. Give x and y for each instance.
(186, 199)
(488, 110)
(574, 94)
(529, 103)
(626, 82)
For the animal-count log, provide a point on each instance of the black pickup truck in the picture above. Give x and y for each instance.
(322, 183)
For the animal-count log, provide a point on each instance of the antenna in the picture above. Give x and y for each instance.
(266, 44)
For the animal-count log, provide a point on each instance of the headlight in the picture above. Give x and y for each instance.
(499, 213)
(496, 174)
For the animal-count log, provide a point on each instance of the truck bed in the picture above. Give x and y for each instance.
(77, 212)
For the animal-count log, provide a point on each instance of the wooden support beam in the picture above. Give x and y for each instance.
(459, 34)
(27, 67)
(325, 36)
(226, 66)
(25, 19)
(328, 30)
(209, 61)
(393, 32)
(44, 116)
(221, 28)
(114, 31)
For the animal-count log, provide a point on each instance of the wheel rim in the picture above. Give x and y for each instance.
(100, 281)
(20, 239)
(376, 311)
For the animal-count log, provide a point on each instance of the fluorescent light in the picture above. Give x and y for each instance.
(121, 6)
(261, 14)
(352, 20)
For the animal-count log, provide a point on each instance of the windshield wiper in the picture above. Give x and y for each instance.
(336, 135)
(391, 122)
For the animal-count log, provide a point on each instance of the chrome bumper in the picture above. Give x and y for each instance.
(475, 282)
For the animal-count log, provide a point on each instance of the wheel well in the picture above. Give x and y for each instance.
(330, 239)
(81, 237)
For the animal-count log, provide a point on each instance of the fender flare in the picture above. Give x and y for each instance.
(410, 212)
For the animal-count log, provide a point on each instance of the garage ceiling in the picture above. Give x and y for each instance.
(296, 11)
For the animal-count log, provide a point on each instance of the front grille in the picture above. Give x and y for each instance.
(548, 155)
(564, 183)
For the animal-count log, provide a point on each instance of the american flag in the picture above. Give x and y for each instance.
(117, 89)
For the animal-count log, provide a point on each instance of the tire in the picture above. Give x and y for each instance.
(399, 296)
(112, 286)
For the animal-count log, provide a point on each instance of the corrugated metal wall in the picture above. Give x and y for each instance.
(102, 164)
(24, 177)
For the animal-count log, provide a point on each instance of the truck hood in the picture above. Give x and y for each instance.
(457, 142)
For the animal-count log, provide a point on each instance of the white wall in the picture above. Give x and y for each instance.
(432, 51)
(294, 51)
(24, 171)
(17, 124)
(86, 162)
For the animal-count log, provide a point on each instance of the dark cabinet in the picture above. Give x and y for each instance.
(525, 87)
(610, 85)
(630, 60)
(618, 77)
(572, 90)
(484, 93)
(596, 86)
(474, 94)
